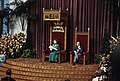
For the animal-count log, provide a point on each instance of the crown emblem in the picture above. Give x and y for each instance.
(58, 27)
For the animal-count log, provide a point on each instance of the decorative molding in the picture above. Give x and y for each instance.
(58, 27)
(51, 15)
(55, 14)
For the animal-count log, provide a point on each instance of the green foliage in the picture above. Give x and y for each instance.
(27, 53)
(28, 44)
(97, 58)
(105, 42)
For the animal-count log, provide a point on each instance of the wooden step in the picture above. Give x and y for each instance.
(38, 71)
(54, 66)
(85, 71)
(40, 74)
(31, 78)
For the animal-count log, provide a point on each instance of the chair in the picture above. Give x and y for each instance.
(58, 31)
(84, 39)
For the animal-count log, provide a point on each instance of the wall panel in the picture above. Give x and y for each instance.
(82, 14)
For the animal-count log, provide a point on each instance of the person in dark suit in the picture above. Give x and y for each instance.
(115, 64)
(67, 80)
(78, 51)
(8, 76)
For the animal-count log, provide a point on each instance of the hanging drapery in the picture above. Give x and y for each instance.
(18, 22)
(5, 27)
(82, 14)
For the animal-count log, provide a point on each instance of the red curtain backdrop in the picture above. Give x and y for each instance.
(82, 14)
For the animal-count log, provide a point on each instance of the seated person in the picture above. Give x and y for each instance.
(104, 66)
(78, 51)
(11, 54)
(2, 57)
(54, 49)
(108, 57)
(8, 76)
(97, 76)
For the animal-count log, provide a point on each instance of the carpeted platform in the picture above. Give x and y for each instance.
(27, 69)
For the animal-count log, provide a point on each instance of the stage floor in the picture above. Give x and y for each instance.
(39, 62)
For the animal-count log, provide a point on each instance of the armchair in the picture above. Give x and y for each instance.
(58, 31)
(84, 39)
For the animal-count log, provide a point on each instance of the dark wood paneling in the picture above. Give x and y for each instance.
(82, 14)
(0, 23)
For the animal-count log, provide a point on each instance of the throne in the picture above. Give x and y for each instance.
(84, 39)
(58, 32)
